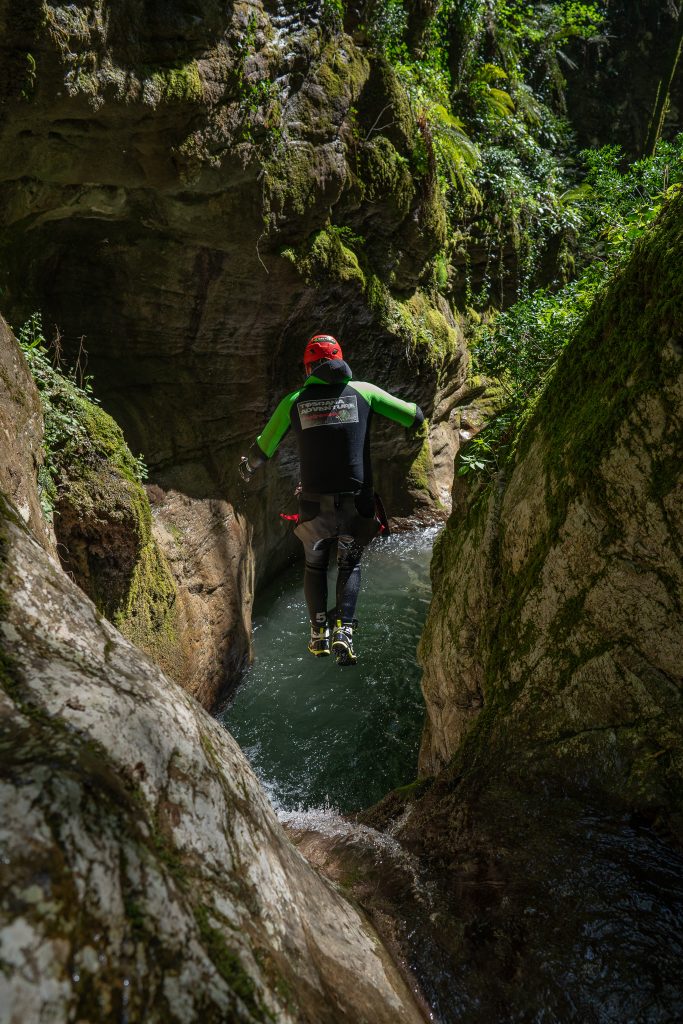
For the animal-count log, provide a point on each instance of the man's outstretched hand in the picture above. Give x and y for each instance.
(245, 470)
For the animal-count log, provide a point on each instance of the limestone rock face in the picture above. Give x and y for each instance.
(144, 874)
(545, 835)
(197, 212)
(557, 589)
(21, 432)
(194, 194)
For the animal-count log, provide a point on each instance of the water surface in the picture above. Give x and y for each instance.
(320, 735)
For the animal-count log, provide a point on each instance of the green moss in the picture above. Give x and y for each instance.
(103, 520)
(385, 94)
(177, 534)
(210, 752)
(327, 255)
(421, 472)
(105, 438)
(228, 964)
(289, 186)
(102, 487)
(421, 325)
(148, 614)
(178, 84)
(378, 298)
(342, 72)
(335, 254)
(616, 359)
(384, 174)
(411, 791)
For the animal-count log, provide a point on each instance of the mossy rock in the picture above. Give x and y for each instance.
(422, 325)
(385, 175)
(421, 473)
(102, 516)
(290, 189)
(327, 255)
(342, 72)
(178, 84)
(384, 106)
(557, 584)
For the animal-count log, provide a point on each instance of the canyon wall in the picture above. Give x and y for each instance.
(613, 79)
(545, 832)
(187, 196)
(143, 873)
(557, 585)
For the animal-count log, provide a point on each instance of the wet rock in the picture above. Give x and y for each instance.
(547, 828)
(181, 593)
(21, 431)
(144, 875)
(195, 195)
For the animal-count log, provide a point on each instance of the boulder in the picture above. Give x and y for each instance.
(144, 873)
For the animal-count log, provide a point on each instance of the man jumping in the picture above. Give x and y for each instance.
(331, 415)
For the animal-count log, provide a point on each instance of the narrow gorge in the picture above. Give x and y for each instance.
(482, 199)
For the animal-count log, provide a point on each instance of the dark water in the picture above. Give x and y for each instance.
(318, 735)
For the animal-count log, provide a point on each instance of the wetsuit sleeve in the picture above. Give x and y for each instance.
(406, 413)
(275, 429)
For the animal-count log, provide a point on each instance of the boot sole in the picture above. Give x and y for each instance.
(343, 655)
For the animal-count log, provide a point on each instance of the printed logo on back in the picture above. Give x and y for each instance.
(325, 412)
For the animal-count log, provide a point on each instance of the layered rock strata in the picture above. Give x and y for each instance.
(194, 194)
(144, 875)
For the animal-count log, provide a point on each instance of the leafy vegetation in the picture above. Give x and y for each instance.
(67, 401)
(486, 86)
(519, 346)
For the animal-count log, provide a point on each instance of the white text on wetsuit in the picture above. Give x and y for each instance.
(328, 411)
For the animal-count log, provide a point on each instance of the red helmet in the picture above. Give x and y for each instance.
(320, 347)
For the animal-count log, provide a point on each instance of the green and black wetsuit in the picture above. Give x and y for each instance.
(331, 416)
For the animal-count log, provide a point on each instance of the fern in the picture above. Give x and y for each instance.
(456, 154)
(492, 101)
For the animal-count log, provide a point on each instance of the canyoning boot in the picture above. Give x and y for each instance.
(342, 642)
(319, 644)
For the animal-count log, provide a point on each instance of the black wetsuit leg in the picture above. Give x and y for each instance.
(316, 531)
(349, 554)
(347, 518)
(356, 526)
(315, 581)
